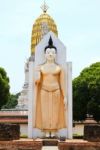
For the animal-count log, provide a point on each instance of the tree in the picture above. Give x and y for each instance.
(12, 102)
(4, 87)
(86, 93)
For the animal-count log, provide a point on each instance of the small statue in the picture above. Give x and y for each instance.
(50, 94)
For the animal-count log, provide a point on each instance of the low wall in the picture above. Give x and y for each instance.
(92, 133)
(30, 144)
(20, 145)
(79, 146)
(9, 132)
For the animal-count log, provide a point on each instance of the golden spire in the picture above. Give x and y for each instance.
(43, 24)
(44, 7)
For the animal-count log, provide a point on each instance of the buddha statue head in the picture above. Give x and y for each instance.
(50, 51)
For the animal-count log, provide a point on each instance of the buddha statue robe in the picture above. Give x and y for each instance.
(50, 112)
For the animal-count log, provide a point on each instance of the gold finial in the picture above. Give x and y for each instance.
(44, 7)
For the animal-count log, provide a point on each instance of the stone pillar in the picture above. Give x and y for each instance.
(69, 94)
(30, 100)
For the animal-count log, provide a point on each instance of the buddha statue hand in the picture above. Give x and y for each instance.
(65, 103)
(37, 74)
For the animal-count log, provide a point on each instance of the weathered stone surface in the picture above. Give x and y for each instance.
(38, 145)
(9, 132)
(92, 133)
(79, 146)
(50, 142)
(20, 145)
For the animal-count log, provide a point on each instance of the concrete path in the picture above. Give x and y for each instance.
(50, 148)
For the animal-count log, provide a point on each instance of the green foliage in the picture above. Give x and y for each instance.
(12, 102)
(86, 93)
(4, 87)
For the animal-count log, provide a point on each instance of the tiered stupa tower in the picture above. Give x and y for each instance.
(43, 24)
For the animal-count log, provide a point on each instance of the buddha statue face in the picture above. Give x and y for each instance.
(50, 54)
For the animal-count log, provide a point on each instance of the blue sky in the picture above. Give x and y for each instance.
(78, 24)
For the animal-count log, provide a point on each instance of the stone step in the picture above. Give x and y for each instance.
(50, 142)
(49, 148)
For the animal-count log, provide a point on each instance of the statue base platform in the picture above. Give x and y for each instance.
(40, 144)
(22, 144)
(50, 142)
(78, 145)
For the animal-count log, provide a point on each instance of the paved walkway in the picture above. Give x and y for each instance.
(50, 148)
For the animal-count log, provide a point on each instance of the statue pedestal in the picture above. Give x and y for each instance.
(50, 142)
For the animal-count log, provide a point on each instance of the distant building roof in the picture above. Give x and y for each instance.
(11, 116)
(14, 113)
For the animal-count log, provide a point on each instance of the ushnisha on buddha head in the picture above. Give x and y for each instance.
(50, 51)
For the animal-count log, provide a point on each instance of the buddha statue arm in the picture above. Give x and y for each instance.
(63, 84)
(38, 74)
